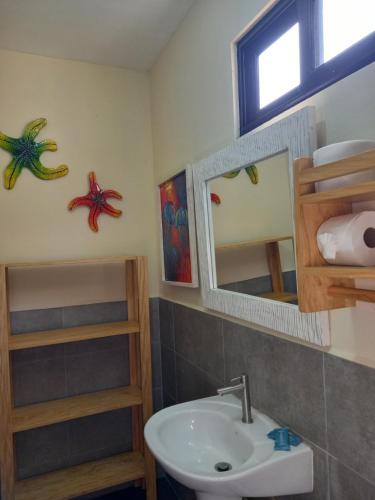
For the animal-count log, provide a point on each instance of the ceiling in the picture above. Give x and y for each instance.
(126, 33)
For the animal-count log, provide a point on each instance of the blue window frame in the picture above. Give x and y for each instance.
(314, 75)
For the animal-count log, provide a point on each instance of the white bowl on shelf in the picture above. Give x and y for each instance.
(339, 151)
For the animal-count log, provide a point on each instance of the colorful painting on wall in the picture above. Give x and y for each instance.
(179, 256)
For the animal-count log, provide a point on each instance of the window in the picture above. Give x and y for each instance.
(299, 48)
(273, 80)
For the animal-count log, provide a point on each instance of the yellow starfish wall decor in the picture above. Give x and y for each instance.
(26, 153)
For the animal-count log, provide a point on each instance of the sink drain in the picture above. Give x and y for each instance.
(223, 466)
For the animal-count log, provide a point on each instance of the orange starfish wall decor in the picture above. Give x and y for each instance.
(96, 200)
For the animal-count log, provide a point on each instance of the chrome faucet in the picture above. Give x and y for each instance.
(241, 384)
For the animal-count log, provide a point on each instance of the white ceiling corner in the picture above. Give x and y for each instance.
(124, 33)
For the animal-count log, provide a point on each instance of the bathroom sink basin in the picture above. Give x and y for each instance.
(204, 445)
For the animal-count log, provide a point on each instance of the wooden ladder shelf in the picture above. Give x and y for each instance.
(86, 478)
(322, 286)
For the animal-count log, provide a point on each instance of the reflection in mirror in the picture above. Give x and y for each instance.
(252, 224)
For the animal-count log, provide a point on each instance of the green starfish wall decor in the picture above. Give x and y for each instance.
(251, 171)
(26, 154)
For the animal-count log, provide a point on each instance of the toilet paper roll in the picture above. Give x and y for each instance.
(348, 240)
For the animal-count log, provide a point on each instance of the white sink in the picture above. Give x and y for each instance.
(189, 439)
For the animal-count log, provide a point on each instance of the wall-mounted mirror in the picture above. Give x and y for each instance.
(252, 220)
(244, 212)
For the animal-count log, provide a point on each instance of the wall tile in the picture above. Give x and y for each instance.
(109, 431)
(169, 373)
(166, 324)
(165, 492)
(154, 320)
(286, 378)
(39, 381)
(345, 484)
(42, 450)
(199, 339)
(350, 414)
(181, 492)
(35, 321)
(156, 364)
(96, 371)
(37, 354)
(94, 313)
(246, 352)
(168, 400)
(96, 345)
(157, 395)
(192, 382)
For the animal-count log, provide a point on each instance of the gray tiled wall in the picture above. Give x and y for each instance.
(329, 401)
(59, 371)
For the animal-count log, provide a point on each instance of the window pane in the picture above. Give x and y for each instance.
(279, 67)
(345, 22)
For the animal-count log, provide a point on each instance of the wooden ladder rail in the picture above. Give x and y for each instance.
(132, 296)
(7, 452)
(145, 371)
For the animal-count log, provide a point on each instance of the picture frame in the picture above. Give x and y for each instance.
(179, 262)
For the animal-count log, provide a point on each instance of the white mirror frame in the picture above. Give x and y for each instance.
(295, 134)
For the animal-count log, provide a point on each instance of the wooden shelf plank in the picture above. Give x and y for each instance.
(351, 165)
(357, 192)
(352, 293)
(280, 296)
(341, 272)
(251, 243)
(82, 479)
(66, 335)
(73, 262)
(61, 410)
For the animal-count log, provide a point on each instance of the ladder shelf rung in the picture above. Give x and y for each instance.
(61, 410)
(341, 272)
(82, 479)
(100, 261)
(66, 335)
(356, 192)
(280, 296)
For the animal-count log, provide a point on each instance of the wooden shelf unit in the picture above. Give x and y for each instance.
(322, 286)
(93, 476)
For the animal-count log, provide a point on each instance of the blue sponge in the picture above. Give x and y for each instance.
(283, 438)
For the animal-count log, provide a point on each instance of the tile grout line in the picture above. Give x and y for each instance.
(325, 401)
(223, 350)
(158, 343)
(174, 352)
(328, 468)
(198, 368)
(343, 464)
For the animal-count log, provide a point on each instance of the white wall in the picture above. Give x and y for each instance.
(100, 118)
(193, 116)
